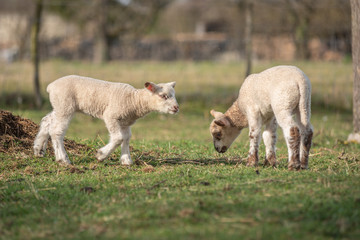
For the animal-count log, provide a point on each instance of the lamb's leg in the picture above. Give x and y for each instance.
(269, 137)
(306, 130)
(58, 127)
(42, 137)
(292, 136)
(116, 139)
(306, 139)
(125, 151)
(255, 136)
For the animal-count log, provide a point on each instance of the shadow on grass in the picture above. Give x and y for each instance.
(180, 161)
(206, 162)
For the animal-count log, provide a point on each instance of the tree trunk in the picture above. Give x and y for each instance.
(248, 35)
(301, 36)
(23, 38)
(355, 29)
(101, 47)
(35, 29)
(301, 22)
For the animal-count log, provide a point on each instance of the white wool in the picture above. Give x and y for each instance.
(118, 104)
(279, 95)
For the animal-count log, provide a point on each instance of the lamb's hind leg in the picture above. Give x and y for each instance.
(42, 137)
(57, 132)
(306, 130)
(293, 142)
(292, 136)
(269, 137)
(306, 140)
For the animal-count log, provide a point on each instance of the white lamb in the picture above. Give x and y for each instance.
(271, 97)
(118, 104)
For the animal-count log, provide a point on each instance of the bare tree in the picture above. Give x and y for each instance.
(101, 47)
(249, 12)
(35, 29)
(111, 19)
(355, 18)
(247, 6)
(301, 12)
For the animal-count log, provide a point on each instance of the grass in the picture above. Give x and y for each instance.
(180, 188)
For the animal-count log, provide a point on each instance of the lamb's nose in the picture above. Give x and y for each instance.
(223, 149)
(176, 108)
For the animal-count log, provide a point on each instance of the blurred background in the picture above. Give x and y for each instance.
(170, 30)
(207, 46)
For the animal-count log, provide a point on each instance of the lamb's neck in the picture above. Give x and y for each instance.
(237, 116)
(140, 103)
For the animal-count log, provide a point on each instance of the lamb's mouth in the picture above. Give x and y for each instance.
(174, 110)
(221, 150)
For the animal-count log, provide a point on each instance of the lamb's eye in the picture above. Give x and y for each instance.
(217, 136)
(164, 96)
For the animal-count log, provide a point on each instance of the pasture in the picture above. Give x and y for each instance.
(180, 187)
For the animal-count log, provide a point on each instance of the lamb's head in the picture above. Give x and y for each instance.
(223, 131)
(163, 97)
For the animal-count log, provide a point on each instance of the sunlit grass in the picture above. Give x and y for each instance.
(332, 82)
(180, 188)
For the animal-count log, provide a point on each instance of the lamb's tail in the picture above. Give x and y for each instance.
(48, 88)
(305, 101)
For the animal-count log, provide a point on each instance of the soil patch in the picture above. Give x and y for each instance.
(17, 136)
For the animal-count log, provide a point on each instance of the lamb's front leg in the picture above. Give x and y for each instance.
(269, 137)
(255, 136)
(125, 151)
(116, 139)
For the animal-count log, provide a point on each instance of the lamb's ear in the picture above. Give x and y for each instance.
(216, 114)
(152, 87)
(172, 84)
(222, 122)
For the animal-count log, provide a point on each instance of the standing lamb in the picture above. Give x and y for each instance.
(118, 104)
(269, 98)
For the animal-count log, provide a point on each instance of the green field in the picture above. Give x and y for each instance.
(180, 188)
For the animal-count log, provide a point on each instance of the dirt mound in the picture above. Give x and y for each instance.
(17, 136)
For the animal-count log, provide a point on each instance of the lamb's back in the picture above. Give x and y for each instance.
(277, 84)
(85, 94)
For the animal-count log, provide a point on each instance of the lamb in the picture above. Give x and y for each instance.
(118, 104)
(279, 95)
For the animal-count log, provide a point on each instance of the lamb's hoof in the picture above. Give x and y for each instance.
(294, 167)
(304, 167)
(39, 152)
(39, 155)
(270, 160)
(252, 161)
(126, 161)
(100, 156)
(251, 164)
(65, 162)
(270, 164)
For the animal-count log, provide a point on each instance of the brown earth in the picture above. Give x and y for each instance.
(17, 137)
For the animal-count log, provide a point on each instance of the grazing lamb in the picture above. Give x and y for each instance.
(118, 104)
(269, 98)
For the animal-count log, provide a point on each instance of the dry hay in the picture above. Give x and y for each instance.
(17, 137)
